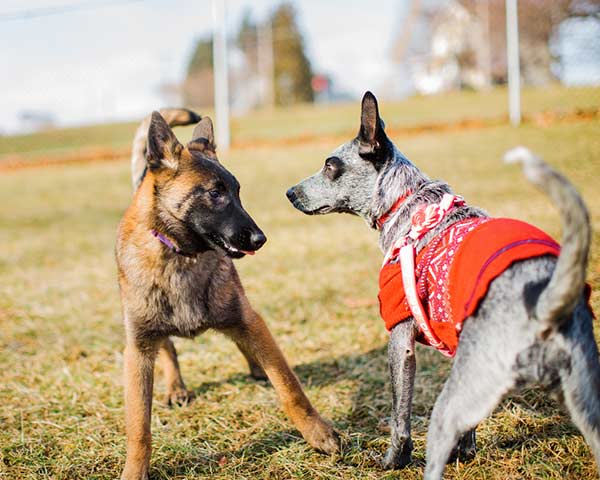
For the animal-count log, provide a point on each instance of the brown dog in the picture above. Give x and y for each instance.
(174, 249)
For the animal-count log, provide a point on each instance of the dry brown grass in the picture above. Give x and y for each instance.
(61, 333)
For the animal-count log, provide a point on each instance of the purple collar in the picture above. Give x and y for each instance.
(168, 243)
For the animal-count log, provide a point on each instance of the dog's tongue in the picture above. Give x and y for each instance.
(247, 252)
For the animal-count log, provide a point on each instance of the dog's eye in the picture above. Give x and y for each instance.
(333, 168)
(329, 168)
(214, 194)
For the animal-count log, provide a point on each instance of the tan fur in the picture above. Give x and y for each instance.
(176, 391)
(165, 294)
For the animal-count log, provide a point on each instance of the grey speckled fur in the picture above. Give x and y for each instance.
(533, 327)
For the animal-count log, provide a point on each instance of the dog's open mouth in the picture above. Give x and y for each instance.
(229, 250)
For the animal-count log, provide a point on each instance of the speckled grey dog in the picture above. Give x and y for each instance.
(533, 326)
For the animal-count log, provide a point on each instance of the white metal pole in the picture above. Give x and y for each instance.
(221, 75)
(512, 55)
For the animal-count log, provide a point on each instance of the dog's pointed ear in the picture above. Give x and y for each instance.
(374, 144)
(163, 148)
(369, 118)
(204, 130)
(203, 139)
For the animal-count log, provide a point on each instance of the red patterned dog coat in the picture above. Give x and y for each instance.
(452, 273)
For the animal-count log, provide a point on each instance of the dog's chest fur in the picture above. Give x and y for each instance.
(168, 294)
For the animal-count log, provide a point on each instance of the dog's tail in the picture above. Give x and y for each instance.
(559, 298)
(174, 117)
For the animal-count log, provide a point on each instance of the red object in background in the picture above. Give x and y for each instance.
(319, 83)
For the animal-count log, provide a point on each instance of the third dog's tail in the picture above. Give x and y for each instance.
(558, 300)
(174, 117)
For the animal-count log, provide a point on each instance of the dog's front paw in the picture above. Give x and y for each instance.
(397, 457)
(125, 476)
(179, 396)
(135, 472)
(323, 438)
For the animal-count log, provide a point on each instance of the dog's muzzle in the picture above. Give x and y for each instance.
(291, 195)
(293, 198)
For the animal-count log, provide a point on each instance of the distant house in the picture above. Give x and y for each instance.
(34, 121)
(440, 48)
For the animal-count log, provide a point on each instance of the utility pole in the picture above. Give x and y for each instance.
(221, 75)
(512, 55)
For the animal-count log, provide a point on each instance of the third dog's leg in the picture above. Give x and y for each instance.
(176, 391)
(401, 358)
(256, 339)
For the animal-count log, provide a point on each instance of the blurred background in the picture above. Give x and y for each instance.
(456, 91)
(73, 62)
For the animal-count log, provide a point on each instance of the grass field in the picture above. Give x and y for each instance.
(315, 282)
(310, 121)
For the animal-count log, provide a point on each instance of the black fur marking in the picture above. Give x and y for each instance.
(201, 144)
(531, 295)
(204, 131)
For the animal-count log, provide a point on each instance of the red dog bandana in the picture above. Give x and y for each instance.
(451, 275)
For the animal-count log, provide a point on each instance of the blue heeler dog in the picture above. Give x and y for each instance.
(533, 325)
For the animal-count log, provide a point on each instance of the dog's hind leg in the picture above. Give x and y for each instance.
(139, 378)
(176, 391)
(255, 338)
(256, 371)
(402, 363)
(580, 381)
(478, 380)
(456, 411)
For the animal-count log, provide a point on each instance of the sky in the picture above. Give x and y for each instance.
(106, 63)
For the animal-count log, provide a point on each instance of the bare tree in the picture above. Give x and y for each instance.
(538, 22)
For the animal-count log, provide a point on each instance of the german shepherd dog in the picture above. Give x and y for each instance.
(532, 327)
(174, 254)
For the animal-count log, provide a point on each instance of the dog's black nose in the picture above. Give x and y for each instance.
(291, 195)
(257, 239)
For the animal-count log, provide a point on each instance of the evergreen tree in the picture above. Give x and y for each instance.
(203, 55)
(292, 69)
(293, 72)
(247, 39)
(198, 88)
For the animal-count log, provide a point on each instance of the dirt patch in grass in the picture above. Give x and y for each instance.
(103, 154)
(85, 155)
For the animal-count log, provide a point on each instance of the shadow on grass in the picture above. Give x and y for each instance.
(316, 374)
(367, 370)
(203, 464)
(371, 402)
(236, 379)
